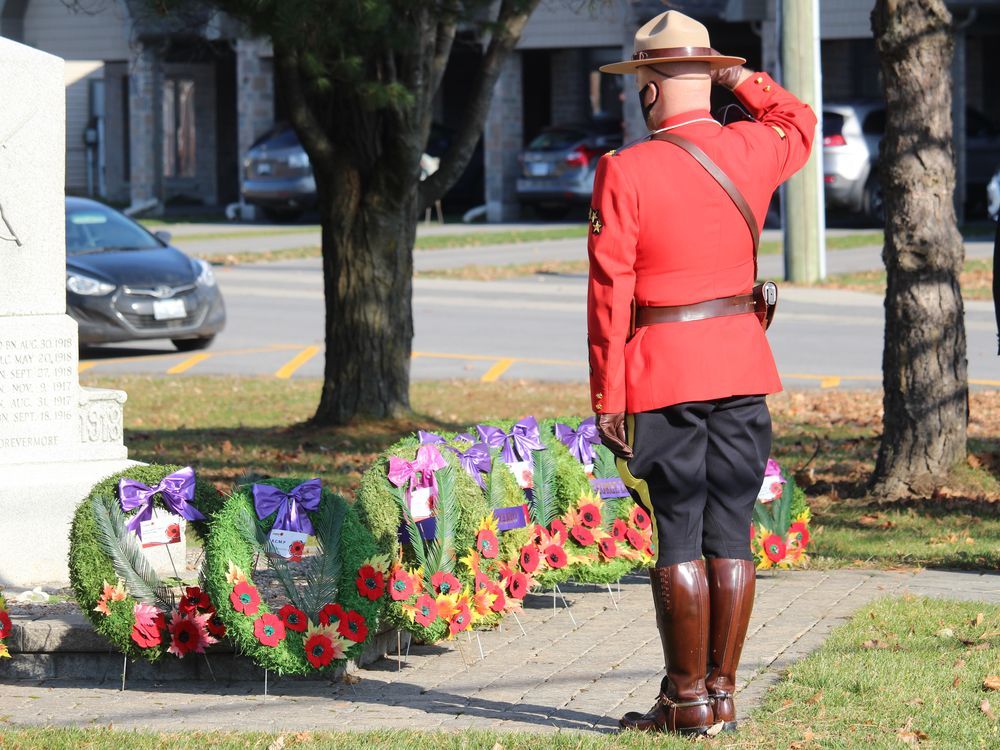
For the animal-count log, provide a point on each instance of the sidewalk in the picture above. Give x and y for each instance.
(556, 677)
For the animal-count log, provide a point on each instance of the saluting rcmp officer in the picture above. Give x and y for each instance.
(679, 360)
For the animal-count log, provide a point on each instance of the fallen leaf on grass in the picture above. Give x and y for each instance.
(712, 731)
(945, 633)
(989, 634)
(785, 705)
(956, 682)
(875, 644)
(984, 706)
(815, 697)
(992, 682)
(978, 620)
(278, 744)
(806, 739)
(959, 663)
(351, 679)
(497, 746)
(911, 736)
(915, 702)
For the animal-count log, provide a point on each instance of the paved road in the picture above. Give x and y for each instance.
(576, 674)
(525, 328)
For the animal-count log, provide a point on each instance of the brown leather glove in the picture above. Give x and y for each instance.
(728, 77)
(611, 428)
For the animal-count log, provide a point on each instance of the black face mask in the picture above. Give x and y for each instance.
(647, 108)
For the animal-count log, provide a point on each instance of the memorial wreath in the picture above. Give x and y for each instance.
(327, 577)
(5, 628)
(114, 582)
(779, 535)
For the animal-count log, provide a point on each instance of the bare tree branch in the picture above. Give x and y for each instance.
(511, 20)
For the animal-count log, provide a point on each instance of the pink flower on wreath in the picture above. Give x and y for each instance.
(188, 633)
(150, 623)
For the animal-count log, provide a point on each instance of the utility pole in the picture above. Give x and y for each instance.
(803, 208)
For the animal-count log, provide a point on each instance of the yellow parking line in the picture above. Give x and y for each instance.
(289, 368)
(496, 371)
(831, 381)
(188, 363)
(84, 366)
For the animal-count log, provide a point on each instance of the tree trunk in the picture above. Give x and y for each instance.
(924, 362)
(368, 284)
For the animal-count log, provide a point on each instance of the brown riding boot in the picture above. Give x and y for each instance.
(731, 586)
(680, 598)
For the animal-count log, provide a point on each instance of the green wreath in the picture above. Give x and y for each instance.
(590, 567)
(119, 591)
(430, 594)
(334, 598)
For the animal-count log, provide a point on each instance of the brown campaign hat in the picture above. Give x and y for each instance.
(672, 37)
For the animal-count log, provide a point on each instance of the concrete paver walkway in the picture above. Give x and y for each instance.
(558, 676)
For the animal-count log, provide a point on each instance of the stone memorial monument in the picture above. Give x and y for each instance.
(57, 439)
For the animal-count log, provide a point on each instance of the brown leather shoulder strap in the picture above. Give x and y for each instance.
(723, 179)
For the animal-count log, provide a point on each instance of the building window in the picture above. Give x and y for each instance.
(179, 141)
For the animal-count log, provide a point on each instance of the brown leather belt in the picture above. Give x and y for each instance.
(739, 304)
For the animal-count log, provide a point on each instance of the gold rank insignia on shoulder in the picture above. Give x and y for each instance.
(595, 221)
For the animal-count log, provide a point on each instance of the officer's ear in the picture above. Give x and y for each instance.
(650, 100)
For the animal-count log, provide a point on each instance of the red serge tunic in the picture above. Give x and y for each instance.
(666, 233)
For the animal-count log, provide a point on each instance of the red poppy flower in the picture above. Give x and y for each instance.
(353, 626)
(774, 548)
(330, 612)
(518, 585)
(555, 556)
(370, 582)
(461, 619)
(639, 517)
(618, 530)
(269, 629)
(481, 583)
(636, 539)
(445, 583)
(245, 598)
(583, 536)
(590, 515)
(5, 626)
(529, 558)
(558, 530)
(753, 532)
(487, 544)
(174, 532)
(427, 610)
(194, 599)
(499, 601)
(319, 650)
(401, 586)
(215, 626)
(294, 618)
(185, 635)
(608, 548)
(800, 532)
(297, 548)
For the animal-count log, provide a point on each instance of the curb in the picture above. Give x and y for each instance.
(66, 647)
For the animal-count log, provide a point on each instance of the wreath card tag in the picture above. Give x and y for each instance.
(524, 473)
(162, 528)
(287, 544)
(422, 503)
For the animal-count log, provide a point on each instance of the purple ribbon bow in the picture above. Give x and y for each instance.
(580, 441)
(176, 490)
(419, 472)
(475, 461)
(516, 444)
(291, 505)
(430, 438)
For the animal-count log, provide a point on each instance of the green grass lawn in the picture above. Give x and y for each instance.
(976, 280)
(827, 439)
(903, 672)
